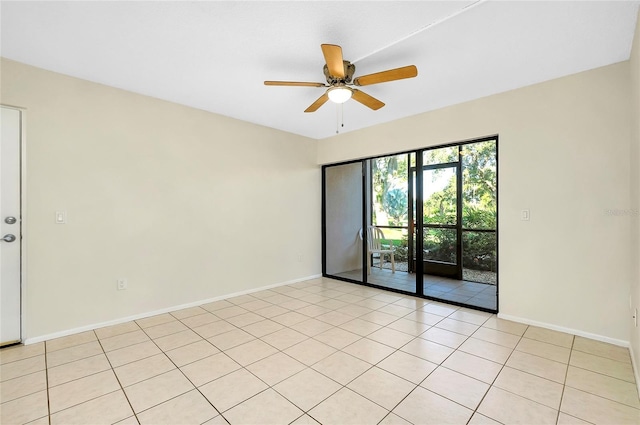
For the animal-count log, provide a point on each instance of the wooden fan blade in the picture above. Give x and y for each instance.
(293, 83)
(367, 100)
(384, 76)
(333, 57)
(318, 103)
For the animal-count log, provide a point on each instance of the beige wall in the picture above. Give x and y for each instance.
(635, 193)
(186, 204)
(563, 153)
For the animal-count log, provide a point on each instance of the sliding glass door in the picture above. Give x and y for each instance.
(343, 215)
(421, 222)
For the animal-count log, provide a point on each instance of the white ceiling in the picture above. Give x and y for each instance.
(216, 55)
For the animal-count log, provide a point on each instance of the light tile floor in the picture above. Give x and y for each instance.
(320, 351)
(461, 291)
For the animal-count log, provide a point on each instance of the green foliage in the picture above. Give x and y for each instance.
(478, 211)
(440, 245)
(440, 207)
(478, 218)
(440, 156)
(478, 191)
(479, 187)
(479, 250)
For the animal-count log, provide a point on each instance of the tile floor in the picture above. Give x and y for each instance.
(471, 293)
(320, 351)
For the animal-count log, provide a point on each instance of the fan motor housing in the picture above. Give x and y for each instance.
(349, 70)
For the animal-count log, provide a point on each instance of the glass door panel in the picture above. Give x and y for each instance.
(389, 216)
(440, 196)
(343, 221)
(479, 223)
(440, 220)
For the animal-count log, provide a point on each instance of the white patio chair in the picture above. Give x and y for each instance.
(375, 236)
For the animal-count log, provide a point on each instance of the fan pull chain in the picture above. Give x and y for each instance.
(339, 117)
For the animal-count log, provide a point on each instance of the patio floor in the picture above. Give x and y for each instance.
(461, 291)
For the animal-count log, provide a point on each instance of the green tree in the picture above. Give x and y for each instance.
(478, 189)
(479, 185)
(389, 179)
(478, 212)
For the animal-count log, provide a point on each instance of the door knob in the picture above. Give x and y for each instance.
(10, 220)
(8, 238)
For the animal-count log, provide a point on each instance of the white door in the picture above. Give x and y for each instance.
(10, 224)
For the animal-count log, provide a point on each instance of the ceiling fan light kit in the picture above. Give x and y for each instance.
(339, 94)
(339, 76)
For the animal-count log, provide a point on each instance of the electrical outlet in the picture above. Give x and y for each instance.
(122, 284)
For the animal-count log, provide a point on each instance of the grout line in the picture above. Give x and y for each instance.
(77, 379)
(564, 383)
(603, 357)
(91, 374)
(89, 400)
(46, 374)
(600, 373)
(491, 385)
(117, 379)
(183, 374)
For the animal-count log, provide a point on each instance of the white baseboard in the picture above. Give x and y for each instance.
(577, 332)
(635, 367)
(67, 332)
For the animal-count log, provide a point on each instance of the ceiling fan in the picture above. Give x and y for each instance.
(339, 75)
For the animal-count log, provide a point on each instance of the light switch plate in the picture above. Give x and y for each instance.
(61, 217)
